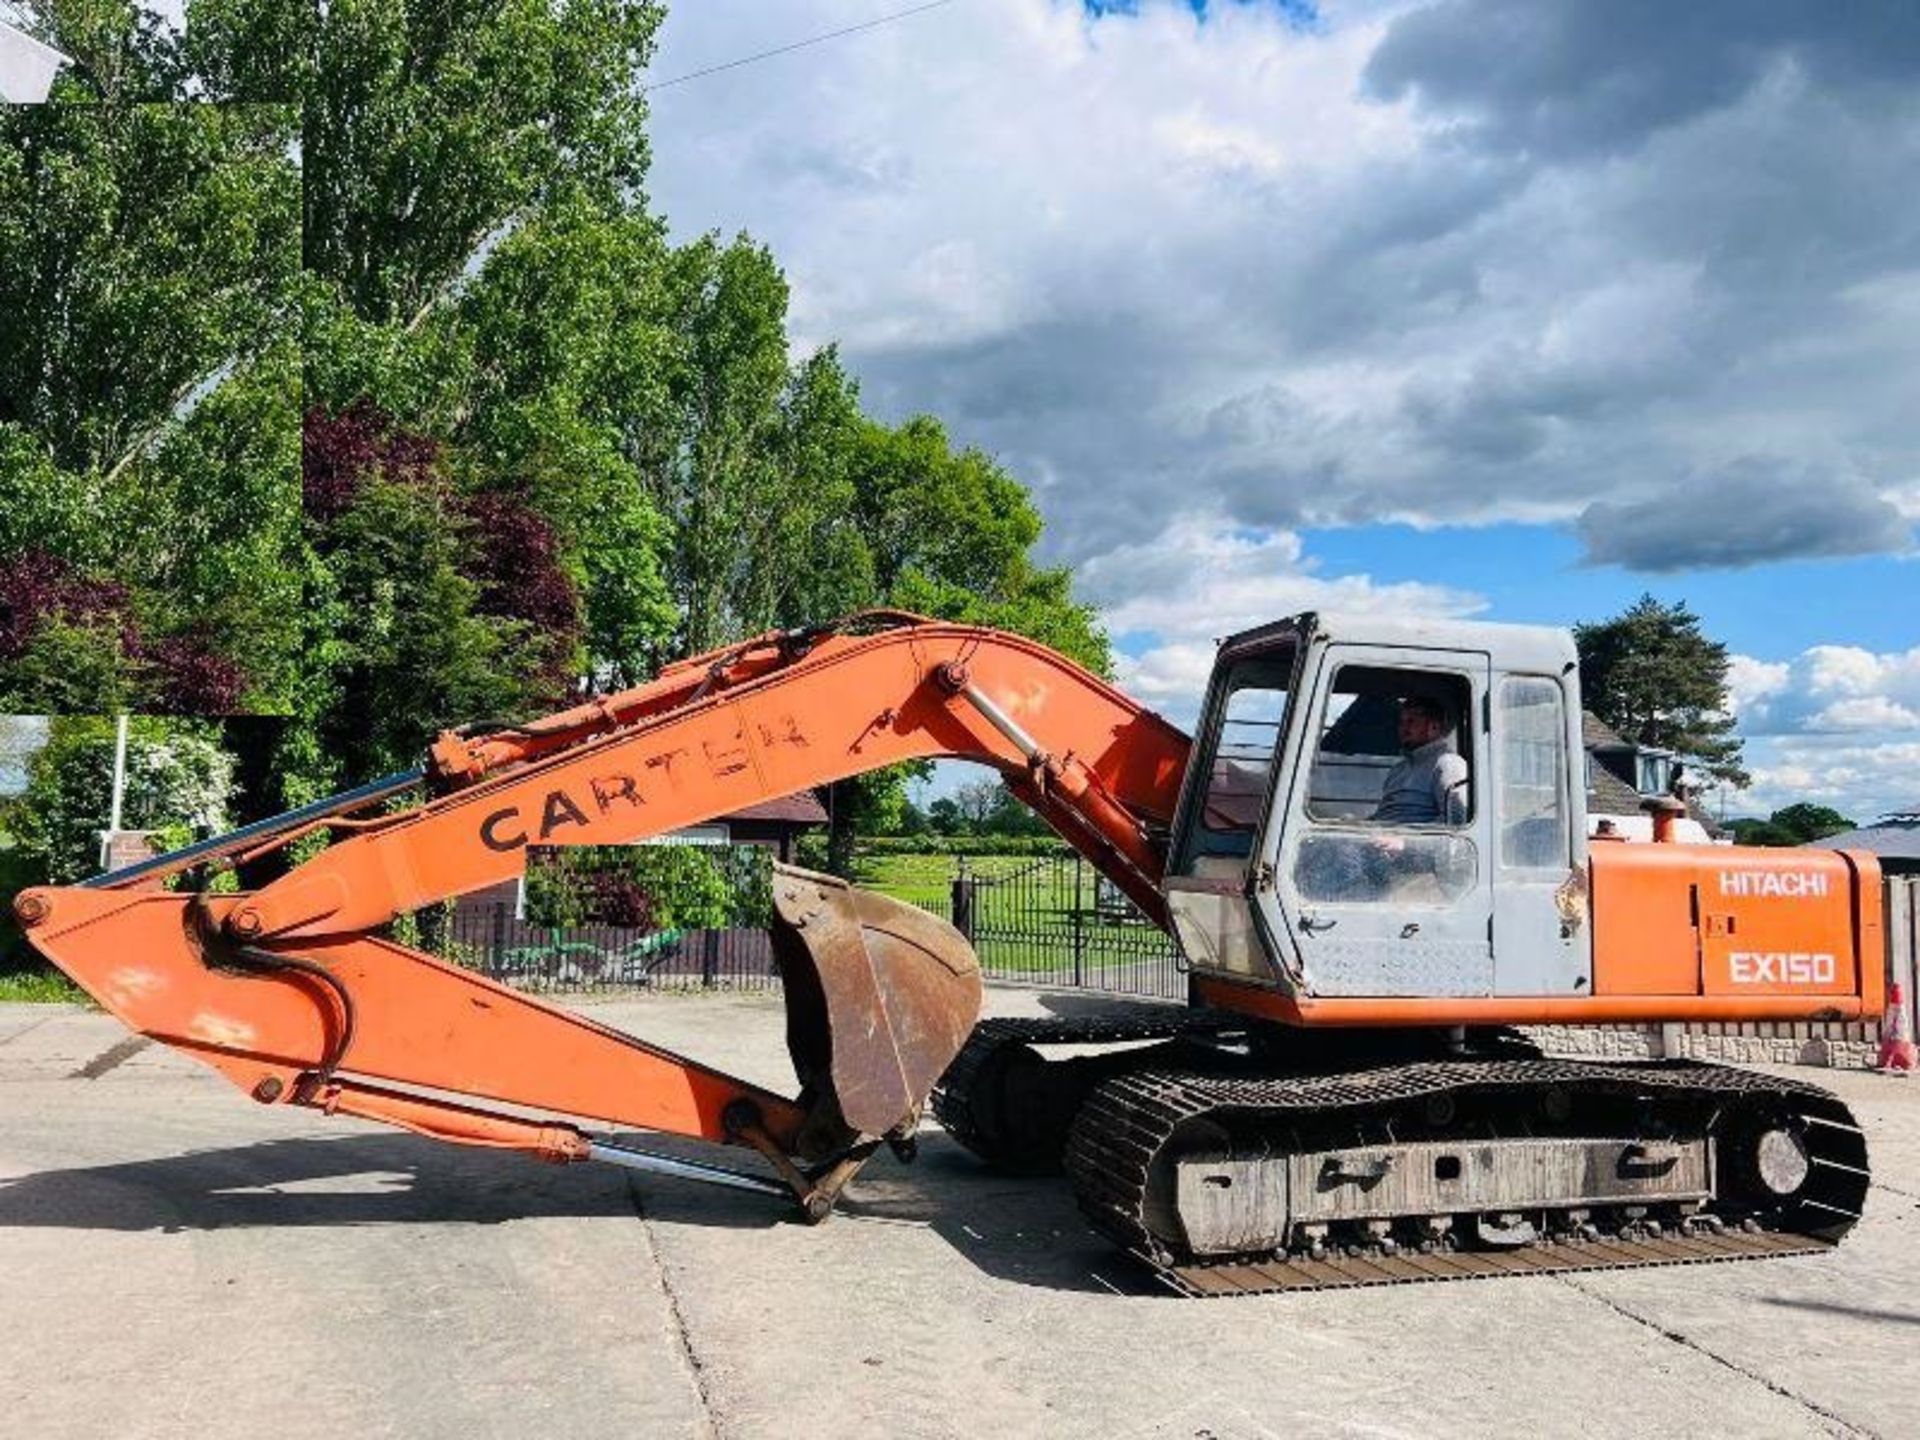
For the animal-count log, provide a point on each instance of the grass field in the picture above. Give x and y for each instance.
(928, 879)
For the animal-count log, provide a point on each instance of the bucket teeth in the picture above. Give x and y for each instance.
(880, 998)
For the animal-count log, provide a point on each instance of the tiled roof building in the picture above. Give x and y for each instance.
(1895, 838)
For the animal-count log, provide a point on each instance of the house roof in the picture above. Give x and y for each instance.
(1895, 838)
(801, 809)
(1596, 734)
(1608, 794)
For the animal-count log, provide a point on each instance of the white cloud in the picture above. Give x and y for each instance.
(1407, 263)
(1167, 601)
(1828, 689)
(1865, 712)
(1169, 678)
(1836, 724)
(1861, 780)
(1751, 681)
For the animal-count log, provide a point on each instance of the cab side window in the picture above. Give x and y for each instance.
(1241, 766)
(1392, 791)
(1395, 748)
(1531, 726)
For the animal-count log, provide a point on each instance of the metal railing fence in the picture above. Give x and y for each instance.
(1049, 922)
(580, 958)
(1056, 921)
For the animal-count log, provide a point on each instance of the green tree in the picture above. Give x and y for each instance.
(564, 361)
(944, 816)
(69, 666)
(747, 456)
(520, 370)
(1811, 822)
(813, 561)
(1010, 817)
(224, 568)
(914, 820)
(1798, 824)
(399, 645)
(484, 275)
(148, 401)
(1653, 676)
(432, 124)
(248, 51)
(526, 383)
(951, 534)
(710, 467)
(144, 250)
(1761, 832)
(975, 803)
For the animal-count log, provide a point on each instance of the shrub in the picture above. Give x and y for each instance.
(963, 845)
(650, 887)
(179, 782)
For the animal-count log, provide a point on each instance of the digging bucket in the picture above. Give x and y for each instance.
(880, 998)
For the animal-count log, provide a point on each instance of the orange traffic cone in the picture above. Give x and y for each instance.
(1896, 1034)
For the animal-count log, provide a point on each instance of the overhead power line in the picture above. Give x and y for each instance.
(873, 24)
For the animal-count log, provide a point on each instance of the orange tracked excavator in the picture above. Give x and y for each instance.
(1344, 1102)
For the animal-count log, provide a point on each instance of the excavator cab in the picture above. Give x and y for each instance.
(1313, 856)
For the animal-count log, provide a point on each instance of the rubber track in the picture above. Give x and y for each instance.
(1128, 1119)
(954, 1092)
(1344, 1273)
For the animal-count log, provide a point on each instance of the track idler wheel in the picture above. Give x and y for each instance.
(880, 998)
(1022, 1105)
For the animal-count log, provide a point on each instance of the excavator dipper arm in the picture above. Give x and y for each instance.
(291, 994)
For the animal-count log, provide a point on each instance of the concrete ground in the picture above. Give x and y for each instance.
(175, 1260)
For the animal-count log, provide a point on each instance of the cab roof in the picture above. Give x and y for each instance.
(1540, 648)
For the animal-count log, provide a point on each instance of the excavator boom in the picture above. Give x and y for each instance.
(293, 993)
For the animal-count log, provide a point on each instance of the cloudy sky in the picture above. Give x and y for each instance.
(1505, 308)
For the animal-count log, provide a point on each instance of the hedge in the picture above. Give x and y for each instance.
(962, 845)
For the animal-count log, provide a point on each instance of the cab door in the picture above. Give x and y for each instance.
(1227, 796)
(1399, 907)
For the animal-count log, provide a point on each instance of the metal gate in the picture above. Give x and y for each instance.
(1057, 921)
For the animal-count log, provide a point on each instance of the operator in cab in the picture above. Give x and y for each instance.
(1429, 784)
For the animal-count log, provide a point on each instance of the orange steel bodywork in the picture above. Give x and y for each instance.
(1680, 932)
(416, 1021)
(764, 719)
(714, 734)
(1734, 927)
